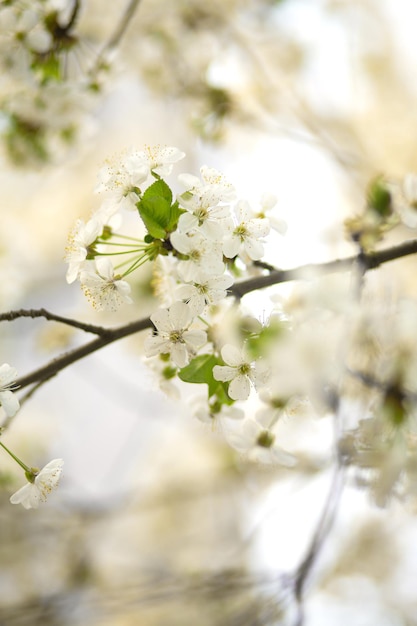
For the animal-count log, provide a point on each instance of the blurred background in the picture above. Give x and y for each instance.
(157, 521)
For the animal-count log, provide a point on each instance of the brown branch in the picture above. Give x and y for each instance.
(33, 313)
(371, 261)
(107, 336)
(56, 365)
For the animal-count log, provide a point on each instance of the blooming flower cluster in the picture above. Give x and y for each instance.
(42, 104)
(199, 242)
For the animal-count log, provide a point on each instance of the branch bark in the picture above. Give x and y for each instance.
(109, 335)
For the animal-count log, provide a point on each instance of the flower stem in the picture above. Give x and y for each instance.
(22, 465)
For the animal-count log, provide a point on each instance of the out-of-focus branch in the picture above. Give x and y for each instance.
(327, 517)
(116, 36)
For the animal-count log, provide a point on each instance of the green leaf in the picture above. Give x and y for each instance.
(200, 370)
(155, 209)
(174, 216)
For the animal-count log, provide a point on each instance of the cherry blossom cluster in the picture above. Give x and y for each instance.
(303, 360)
(199, 243)
(44, 99)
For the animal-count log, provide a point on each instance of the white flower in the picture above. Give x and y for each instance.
(206, 291)
(43, 483)
(122, 179)
(268, 202)
(158, 159)
(205, 414)
(102, 288)
(204, 256)
(246, 235)
(8, 400)
(239, 371)
(259, 443)
(79, 242)
(173, 335)
(205, 203)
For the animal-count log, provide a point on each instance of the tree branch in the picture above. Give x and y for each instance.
(117, 34)
(372, 260)
(56, 365)
(108, 336)
(326, 519)
(33, 313)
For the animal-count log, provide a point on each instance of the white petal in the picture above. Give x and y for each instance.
(231, 246)
(259, 227)
(187, 222)
(9, 402)
(8, 375)
(224, 373)
(232, 355)
(156, 345)
(196, 338)
(254, 248)
(179, 354)
(239, 388)
(160, 319)
(105, 268)
(180, 315)
(28, 496)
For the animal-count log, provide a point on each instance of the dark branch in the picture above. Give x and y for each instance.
(107, 336)
(33, 313)
(60, 363)
(371, 260)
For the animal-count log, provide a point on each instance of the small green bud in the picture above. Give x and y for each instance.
(265, 439)
(379, 198)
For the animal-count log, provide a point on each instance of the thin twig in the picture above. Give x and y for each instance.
(60, 363)
(116, 36)
(326, 519)
(33, 313)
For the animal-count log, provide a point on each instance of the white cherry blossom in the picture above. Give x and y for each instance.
(158, 159)
(204, 256)
(40, 485)
(103, 289)
(79, 242)
(8, 400)
(239, 372)
(206, 291)
(173, 335)
(268, 202)
(258, 442)
(204, 201)
(246, 236)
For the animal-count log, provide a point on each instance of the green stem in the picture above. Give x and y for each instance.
(22, 465)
